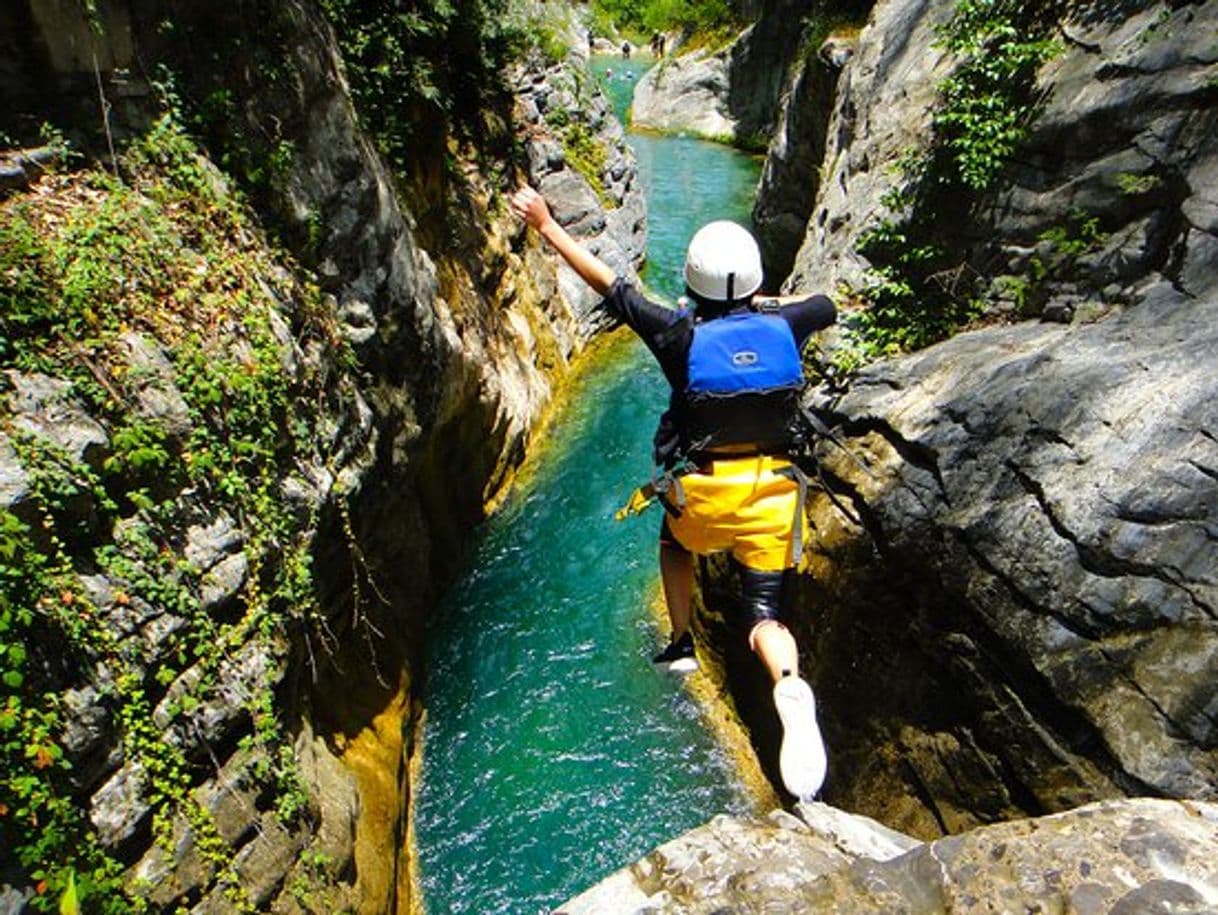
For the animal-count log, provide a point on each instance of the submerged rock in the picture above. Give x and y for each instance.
(1124, 856)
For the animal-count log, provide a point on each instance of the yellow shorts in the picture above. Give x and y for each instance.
(741, 505)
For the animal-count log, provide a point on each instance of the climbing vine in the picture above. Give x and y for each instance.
(163, 252)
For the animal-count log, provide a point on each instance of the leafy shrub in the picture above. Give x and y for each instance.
(922, 289)
(418, 69)
(86, 260)
(643, 18)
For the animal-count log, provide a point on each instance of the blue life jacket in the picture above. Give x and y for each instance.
(743, 383)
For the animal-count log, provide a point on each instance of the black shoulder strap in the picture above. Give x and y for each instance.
(818, 426)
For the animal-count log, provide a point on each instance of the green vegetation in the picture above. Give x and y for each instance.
(1134, 185)
(923, 288)
(163, 252)
(641, 19)
(428, 67)
(583, 151)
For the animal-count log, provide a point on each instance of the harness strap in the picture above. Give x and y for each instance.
(821, 429)
(670, 482)
(795, 474)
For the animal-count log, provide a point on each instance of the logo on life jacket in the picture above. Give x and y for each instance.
(744, 357)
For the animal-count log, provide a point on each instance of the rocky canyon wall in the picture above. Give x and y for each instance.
(1024, 620)
(247, 743)
(1009, 616)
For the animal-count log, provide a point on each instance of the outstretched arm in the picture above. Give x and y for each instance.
(532, 208)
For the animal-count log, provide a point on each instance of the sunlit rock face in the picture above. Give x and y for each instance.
(1017, 614)
(1124, 135)
(1024, 618)
(732, 93)
(1121, 856)
(447, 332)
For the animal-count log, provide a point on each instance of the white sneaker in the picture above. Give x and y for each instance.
(802, 759)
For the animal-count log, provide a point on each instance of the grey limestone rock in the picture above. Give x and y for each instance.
(15, 493)
(790, 177)
(209, 543)
(120, 806)
(45, 408)
(1039, 543)
(731, 93)
(885, 94)
(611, 220)
(223, 582)
(1124, 137)
(732, 862)
(689, 94)
(12, 900)
(1041, 526)
(150, 375)
(1126, 856)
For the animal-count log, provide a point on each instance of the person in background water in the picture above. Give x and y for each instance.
(625, 50)
(733, 362)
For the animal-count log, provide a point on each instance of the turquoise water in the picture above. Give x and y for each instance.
(553, 753)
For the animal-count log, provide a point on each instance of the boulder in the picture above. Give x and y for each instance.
(686, 94)
(1130, 856)
(731, 93)
(1027, 618)
(734, 864)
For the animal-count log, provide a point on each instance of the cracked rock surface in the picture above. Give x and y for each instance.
(1130, 856)
(1127, 136)
(1030, 619)
(1025, 618)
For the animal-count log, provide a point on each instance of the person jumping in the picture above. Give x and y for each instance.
(726, 483)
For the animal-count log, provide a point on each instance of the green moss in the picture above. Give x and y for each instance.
(587, 155)
(1134, 185)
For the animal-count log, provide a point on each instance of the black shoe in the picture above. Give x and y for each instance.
(679, 656)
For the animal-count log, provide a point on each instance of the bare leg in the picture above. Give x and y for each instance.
(775, 646)
(677, 575)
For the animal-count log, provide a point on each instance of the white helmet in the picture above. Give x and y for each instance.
(723, 262)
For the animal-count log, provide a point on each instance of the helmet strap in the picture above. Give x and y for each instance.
(731, 282)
